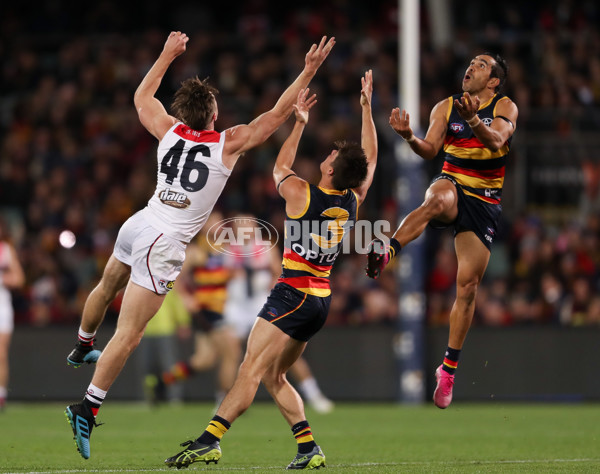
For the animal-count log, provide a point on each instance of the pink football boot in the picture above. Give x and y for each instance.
(442, 397)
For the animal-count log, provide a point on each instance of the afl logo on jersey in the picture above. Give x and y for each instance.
(174, 199)
(457, 127)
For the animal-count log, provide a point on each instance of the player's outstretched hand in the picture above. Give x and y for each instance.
(366, 91)
(175, 44)
(467, 106)
(400, 122)
(317, 54)
(303, 105)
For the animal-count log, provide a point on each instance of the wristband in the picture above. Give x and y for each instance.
(474, 121)
(410, 139)
(394, 248)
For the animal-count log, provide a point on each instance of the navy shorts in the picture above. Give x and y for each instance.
(297, 314)
(474, 215)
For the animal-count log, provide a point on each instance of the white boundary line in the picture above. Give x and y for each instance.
(366, 464)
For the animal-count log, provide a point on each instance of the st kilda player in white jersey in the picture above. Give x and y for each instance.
(191, 177)
(194, 162)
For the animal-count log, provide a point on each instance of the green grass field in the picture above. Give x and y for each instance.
(378, 438)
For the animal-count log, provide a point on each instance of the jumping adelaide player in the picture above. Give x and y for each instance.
(475, 129)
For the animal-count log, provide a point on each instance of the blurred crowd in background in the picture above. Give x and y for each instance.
(73, 155)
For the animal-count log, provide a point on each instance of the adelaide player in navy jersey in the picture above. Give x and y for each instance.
(475, 130)
(298, 304)
(194, 162)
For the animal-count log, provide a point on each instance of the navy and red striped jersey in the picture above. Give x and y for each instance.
(313, 238)
(479, 170)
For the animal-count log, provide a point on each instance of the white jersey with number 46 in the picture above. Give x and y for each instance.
(191, 177)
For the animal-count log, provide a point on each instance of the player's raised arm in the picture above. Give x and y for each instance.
(368, 136)
(502, 127)
(244, 137)
(150, 110)
(428, 147)
(291, 187)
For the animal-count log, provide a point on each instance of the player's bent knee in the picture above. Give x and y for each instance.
(436, 205)
(250, 372)
(128, 341)
(274, 378)
(467, 290)
(133, 343)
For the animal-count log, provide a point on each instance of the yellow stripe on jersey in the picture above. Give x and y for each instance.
(475, 153)
(206, 296)
(333, 191)
(469, 193)
(293, 265)
(321, 292)
(486, 103)
(449, 111)
(357, 202)
(203, 277)
(474, 182)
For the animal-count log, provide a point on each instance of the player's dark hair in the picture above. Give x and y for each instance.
(194, 103)
(349, 167)
(499, 70)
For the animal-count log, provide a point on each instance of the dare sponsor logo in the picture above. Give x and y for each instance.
(457, 127)
(174, 199)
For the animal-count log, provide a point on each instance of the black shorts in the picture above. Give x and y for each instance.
(297, 314)
(474, 215)
(206, 320)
